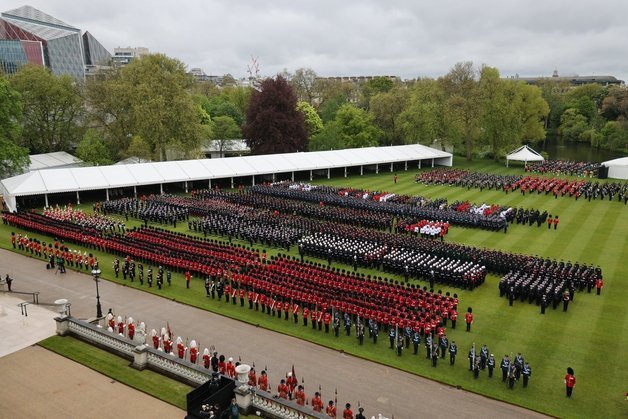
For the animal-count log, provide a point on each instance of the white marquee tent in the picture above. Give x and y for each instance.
(159, 173)
(617, 168)
(524, 154)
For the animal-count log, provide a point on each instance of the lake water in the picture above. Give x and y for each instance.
(563, 150)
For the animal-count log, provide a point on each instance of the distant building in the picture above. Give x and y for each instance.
(123, 56)
(574, 80)
(230, 148)
(28, 35)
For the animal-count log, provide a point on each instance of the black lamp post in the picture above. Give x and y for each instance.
(96, 274)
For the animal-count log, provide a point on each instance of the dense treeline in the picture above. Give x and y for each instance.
(153, 110)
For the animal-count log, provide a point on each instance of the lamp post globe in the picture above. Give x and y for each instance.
(96, 274)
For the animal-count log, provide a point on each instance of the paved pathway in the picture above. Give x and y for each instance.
(379, 388)
(38, 383)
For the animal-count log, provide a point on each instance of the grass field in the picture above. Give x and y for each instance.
(591, 337)
(149, 382)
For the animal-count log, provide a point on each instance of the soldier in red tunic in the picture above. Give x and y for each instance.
(300, 396)
(282, 389)
(570, 381)
(155, 338)
(181, 348)
(317, 402)
(230, 368)
(292, 382)
(167, 344)
(120, 325)
(206, 358)
(469, 318)
(193, 352)
(252, 378)
(330, 410)
(347, 413)
(131, 328)
(262, 382)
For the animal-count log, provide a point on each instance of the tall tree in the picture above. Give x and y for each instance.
(464, 103)
(93, 150)
(329, 138)
(501, 123)
(139, 149)
(273, 123)
(423, 120)
(374, 86)
(52, 109)
(151, 98)
(386, 108)
(313, 122)
(304, 84)
(357, 128)
(225, 131)
(13, 157)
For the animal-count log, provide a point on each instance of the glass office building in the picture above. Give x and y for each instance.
(48, 41)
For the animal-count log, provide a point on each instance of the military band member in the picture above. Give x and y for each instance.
(526, 372)
(317, 402)
(360, 332)
(505, 367)
(453, 351)
(399, 345)
(416, 340)
(490, 363)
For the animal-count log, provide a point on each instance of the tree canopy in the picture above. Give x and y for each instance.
(13, 157)
(52, 109)
(273, 123)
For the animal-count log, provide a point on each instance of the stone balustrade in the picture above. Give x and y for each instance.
(144, 356)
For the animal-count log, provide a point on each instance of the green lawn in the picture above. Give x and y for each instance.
(591, 337)
(149, 382)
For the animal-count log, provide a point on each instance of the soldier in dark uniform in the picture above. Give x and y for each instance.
(434, 354)
(505, 366)
(453, 351)
(526, 372)
(416, 340)
(374, 330)
(443, 343)
(490, 363)
(476, 369)
(512, 372)
(116, 268)
(140, 270)
(149, 276)
(391, 338)
(207, 286)
(428, 346)
(169, 277)
(336, 324)
(360, 332)
(483, 357)
(518, 365)
(399, 344)
(347, 324)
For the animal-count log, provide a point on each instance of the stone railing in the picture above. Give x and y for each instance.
(143, 356)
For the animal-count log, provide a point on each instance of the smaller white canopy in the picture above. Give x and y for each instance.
(617, 168)
(524, 154)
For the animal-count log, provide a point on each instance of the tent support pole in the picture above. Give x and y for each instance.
(345, 172)
(419, 164)
(46, 198)
(432, 162)
(107, 193)
(209, 181)
(293, 176)
(310, 175)
(186, 186)
(391, 167)
(361, 170)
(274, 177)
(406, 166)
(376, 168)
(328, 173)
(232, 183)
(78, 198)
(161, 188)
(253, 181)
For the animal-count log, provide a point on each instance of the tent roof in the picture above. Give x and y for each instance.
(117, 176)
(51, 160)
(524, 153)
(622, 161)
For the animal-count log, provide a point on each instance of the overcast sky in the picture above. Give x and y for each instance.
(413, 38)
